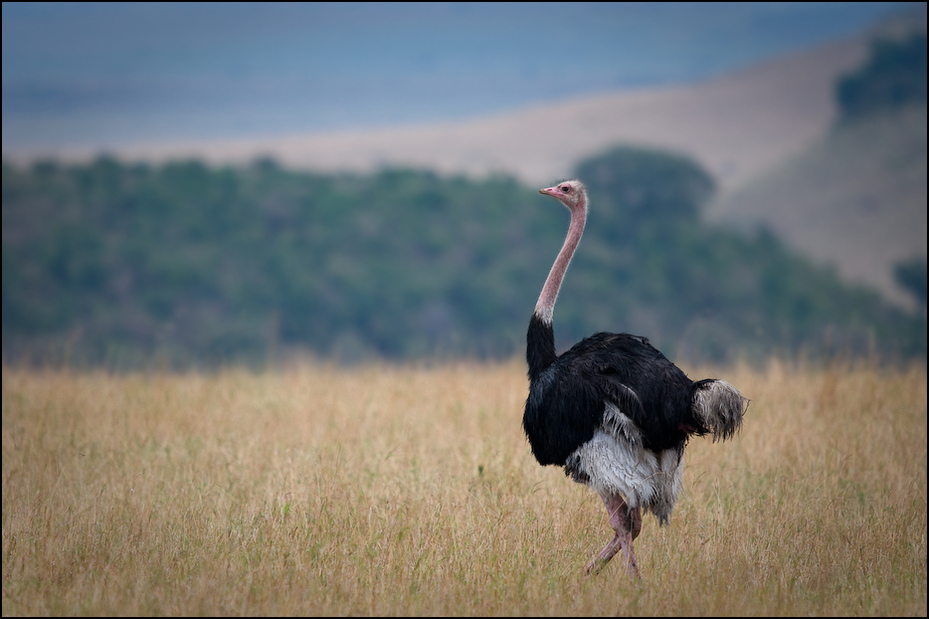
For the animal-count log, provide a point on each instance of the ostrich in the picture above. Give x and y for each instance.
(613, 411)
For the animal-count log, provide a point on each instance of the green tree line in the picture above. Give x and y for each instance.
(893, 76)
(122, 265)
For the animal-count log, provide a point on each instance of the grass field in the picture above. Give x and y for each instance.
(411, 490)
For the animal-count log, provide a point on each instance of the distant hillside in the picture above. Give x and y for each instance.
(736, 126)
(763, 133)
(857, 198)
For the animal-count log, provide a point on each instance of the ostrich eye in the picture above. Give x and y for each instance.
(566, 189)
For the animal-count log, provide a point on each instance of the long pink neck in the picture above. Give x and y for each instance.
(545, 306)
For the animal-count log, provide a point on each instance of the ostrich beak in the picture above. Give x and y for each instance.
(548, 191)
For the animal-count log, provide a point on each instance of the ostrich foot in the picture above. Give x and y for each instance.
(604, 557)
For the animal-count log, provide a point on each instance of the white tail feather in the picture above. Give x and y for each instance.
(720, 406)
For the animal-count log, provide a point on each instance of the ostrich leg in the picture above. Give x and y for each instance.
(626, 523)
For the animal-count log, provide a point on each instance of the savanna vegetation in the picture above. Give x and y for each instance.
(399, 490)
(185, 265)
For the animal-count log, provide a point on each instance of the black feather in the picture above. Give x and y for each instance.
(568, 396)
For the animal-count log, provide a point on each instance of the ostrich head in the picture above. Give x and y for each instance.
(569, 193)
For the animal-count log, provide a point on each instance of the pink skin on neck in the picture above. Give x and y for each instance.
(545, 306)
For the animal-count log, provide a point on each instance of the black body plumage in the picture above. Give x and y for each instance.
(568, 393)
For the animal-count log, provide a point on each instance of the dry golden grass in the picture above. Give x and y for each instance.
(400, 490)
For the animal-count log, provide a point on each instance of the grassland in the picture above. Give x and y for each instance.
(411, 490)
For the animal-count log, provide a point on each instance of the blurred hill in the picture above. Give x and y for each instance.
(764, 133)
(735, 126)
(413, 242)
(857, 198)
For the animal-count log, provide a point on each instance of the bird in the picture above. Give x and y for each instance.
(613, 410)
